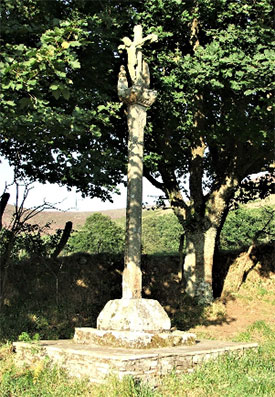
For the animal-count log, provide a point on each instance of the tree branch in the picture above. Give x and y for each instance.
(3, 203)
(197, 155)
(64, 238)
(151, 179)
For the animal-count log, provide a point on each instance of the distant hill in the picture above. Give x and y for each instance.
(58, 219)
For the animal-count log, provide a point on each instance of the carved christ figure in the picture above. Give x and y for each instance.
(138, 69)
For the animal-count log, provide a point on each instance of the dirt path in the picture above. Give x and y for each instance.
(254, 302)
(240, 315)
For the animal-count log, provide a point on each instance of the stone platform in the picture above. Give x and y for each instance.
(96, 362)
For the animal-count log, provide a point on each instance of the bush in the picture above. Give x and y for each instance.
(26, 241)
(99, 234)
(161, 234)
(247, 225)
(16, 246)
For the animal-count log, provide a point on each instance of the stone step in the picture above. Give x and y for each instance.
(97, 362)
(133, 340)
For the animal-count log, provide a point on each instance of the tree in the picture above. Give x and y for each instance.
(209, 129)
(212, 125)
(57, 100)
(99, 234)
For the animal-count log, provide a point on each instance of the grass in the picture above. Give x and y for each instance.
(259, 331)
(230, 375)
(40, 380)
(250, 375)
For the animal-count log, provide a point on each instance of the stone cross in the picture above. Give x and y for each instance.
(132, 313)
(136, 66)
(137, 98)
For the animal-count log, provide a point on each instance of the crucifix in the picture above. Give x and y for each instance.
(138, 68)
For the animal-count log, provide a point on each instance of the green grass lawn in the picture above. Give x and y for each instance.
(247, 376)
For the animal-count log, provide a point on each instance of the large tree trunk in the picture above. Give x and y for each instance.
(202, 220)
(198, 264)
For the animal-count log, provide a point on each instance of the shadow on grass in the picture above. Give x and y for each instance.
(52, 297)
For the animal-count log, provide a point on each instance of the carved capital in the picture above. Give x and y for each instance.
(137, 94)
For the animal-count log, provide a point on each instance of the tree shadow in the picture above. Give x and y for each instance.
(161, 282)
(53, 296)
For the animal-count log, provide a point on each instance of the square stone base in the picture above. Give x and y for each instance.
(97, 362)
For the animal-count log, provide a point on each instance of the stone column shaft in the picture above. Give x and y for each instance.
(132, 276)
(132, 313)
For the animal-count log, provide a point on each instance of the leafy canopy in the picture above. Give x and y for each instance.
(57, 100)
(212, 66)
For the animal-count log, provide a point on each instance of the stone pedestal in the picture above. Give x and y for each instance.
(133, 339)
(140, 315)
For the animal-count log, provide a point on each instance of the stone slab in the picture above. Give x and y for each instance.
(97, 362)
(131, 339)
(133, 315)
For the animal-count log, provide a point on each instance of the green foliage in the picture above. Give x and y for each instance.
(99, 234)
(125, 387)
(40, 380)
(229, 68)
(54, 104)
(230, 375)
(25, 337)
(212, 66)
(27, 244)
(54, 55)
(161, 234)
(245, 226)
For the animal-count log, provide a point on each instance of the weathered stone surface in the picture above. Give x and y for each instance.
(137, 99)
(130, 339)
(138, 69)
(137, 95)
(97, 362)
(133, 315)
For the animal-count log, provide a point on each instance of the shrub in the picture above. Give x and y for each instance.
(99, 234)
(161, 234)
(245, 226)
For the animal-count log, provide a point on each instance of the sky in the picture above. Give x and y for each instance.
(69, 200)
